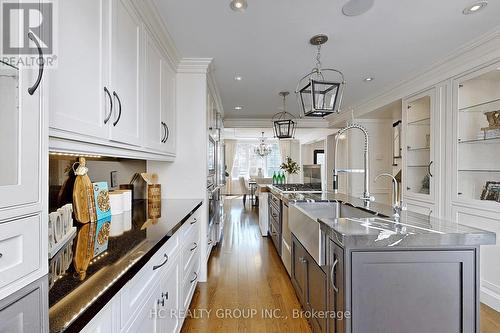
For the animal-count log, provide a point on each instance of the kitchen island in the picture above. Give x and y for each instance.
(366, 272)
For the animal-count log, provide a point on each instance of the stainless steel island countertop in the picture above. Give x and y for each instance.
(374, 226)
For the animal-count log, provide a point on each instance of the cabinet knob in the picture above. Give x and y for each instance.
(162, 302)
(1, 255)
(164, 295)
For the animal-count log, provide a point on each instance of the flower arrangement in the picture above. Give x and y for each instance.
(290, 166)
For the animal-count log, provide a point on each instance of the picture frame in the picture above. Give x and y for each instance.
(491, 191)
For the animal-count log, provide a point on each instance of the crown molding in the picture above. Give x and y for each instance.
(477, 53)
(214, 90)
(156, 25)
(267, 123)
(195, 65)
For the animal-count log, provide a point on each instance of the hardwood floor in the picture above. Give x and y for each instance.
(246, 274)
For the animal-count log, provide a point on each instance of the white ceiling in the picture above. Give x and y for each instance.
(268, 43)
(304, 135)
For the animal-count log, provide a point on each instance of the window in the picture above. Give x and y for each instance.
(247, 163)
(319, 156)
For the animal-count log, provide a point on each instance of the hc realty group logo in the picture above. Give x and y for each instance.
(27, 32)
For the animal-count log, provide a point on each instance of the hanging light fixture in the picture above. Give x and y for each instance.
(283, 124)
(262, 149)
(317, 95)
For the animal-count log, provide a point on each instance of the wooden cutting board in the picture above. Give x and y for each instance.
(83, 195)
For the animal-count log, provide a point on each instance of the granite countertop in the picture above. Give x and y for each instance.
(381, 230)
(72, 303)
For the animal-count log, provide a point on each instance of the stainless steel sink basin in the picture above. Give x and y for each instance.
(303, 223)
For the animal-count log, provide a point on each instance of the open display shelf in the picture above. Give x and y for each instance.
(478, 138)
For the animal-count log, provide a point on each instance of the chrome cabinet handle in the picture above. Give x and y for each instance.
(429, 168)
(119, 108)
(194, 248)
(210, 242)
(162, 302)
(164, 295)
(163, 263)
(195, 277)
(1, 255)
(164, 134)
(41, 64)
(332, 273)
(110, 105)
(194, 221)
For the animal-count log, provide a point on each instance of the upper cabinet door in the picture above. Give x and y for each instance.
(20, 129)
(79, 95)
(154, 128)
(476, 139)
(126, 121)
(420, 123)
(168, 107)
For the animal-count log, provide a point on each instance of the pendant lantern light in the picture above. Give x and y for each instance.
(318, 95)
(283, 123)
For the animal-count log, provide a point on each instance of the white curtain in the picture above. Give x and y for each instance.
(230, 154)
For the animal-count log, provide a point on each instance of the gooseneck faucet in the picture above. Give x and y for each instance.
(366, 194)
(396, 205)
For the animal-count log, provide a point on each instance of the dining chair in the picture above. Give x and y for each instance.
(244, 189)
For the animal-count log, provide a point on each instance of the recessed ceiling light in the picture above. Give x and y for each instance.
(238, 78)
(475, 7)
(238, 5)
(368, 79)
(237, 108)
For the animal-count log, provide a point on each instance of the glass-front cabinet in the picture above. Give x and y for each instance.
(419, 164)
(477, 138)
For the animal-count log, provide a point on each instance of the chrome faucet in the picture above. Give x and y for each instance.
(367, 198)
(396, 204)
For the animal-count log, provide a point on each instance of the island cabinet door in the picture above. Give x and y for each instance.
(414, 291)
(336, 303)
(317, 291)
(299, 271)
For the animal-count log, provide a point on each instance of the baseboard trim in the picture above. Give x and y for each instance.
(490, 298)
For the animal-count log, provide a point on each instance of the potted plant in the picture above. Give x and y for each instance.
(290, 166)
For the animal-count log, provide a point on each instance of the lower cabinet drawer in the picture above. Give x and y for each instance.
(276, 237)
(137, 290)
(190, 247)
(19, 248)
(25, 310)
(190, 280)
(102, 322)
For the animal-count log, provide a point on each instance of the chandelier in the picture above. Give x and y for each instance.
(262, 149)
(317, 95)
(283, 124)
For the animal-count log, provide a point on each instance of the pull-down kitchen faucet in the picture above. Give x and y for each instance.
(396, 204)
(366, 194)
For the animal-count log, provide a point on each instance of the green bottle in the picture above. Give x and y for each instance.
(280, 178)
(283, 179)
(275, 178)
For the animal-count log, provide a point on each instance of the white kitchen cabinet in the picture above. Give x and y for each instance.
(421, 146)
(102, 322)
(126, 48)
(154, 130)
(168, 107)
(159, 99)
(21, 136)
(80, 96)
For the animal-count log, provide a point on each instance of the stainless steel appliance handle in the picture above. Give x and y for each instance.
(195, 277)
(332, 273)
(194, 248)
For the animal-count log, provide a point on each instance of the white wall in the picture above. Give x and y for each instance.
(307, 151)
